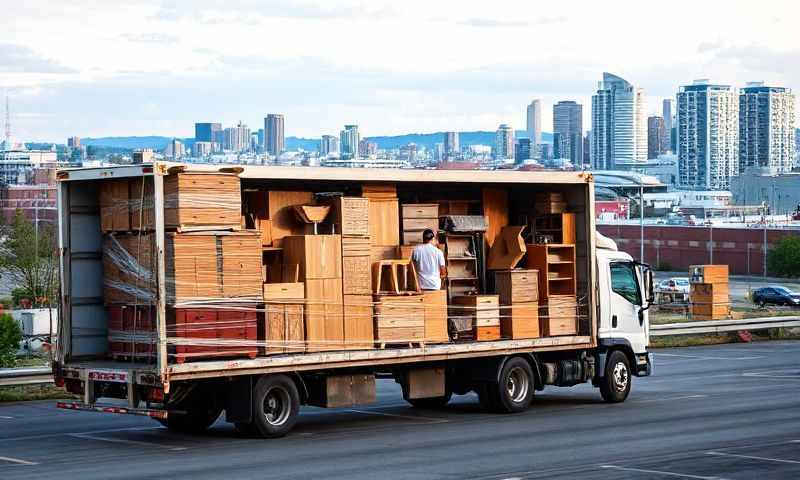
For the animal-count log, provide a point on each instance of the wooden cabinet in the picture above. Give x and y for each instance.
(283, 330)
(555, 228)
(349, 216)
(484, 311)
(558, 316)
(399, 319)
(418, 217)
(324, 314)
(556, 266)
(319, 256)
(520, 320)
(384, 222)
(358, 325)
(517, 286)
(435, 305)
(462, 265)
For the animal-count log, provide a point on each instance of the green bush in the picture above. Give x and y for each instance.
(783, 259)
(10, 336)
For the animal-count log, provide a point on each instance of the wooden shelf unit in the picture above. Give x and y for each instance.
(561, 226)
(462, 265)
(556, 266)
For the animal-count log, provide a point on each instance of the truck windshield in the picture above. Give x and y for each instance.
(624, 283)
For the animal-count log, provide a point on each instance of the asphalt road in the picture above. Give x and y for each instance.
(730, 411)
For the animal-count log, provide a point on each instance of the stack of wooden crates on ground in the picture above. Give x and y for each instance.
(708, 292)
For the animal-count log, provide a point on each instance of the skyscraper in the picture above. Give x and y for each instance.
(656, 137)
(328, 145)
(708, 135)
(522, 151)
(74, 142)
(275, 142)
(504, 143)
(236, 139)
(450, 146)
(534, 123)
(619, 131)
(668, 112)
(568, 123)
(766, 127)
(349, 139)
(206, 132)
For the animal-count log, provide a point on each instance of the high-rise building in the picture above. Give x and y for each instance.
(348, 141)
(202, 149)
(236, 139)
(144, 155)
(328, 145)
(274, 134)
(175, 149)
(587, 148)
(568, 122)
(656, 137)
(206, 132)
(450, 146)
(708, 136)
(438, 152)
(504, 143)
(766, 127)
(668, 113)
(260, 134)
(367, 148)
(522, 151)
(619, 129)
(74, 142)
(534, 122)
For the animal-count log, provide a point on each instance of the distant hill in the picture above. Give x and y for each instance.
(428, 140)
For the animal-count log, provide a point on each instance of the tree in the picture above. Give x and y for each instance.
(10, 336)
(28, 258)
(783, 259)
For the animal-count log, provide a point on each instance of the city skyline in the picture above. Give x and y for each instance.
(142, 80)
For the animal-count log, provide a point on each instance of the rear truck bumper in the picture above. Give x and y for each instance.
(644, 364)
(100, 408)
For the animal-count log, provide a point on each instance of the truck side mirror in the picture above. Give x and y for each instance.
(648, 286)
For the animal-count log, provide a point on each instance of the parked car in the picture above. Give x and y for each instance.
(674, 284)
(776, 295)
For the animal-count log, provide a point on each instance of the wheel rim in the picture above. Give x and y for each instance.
(277, 406)
(517, 385)
(620, 377)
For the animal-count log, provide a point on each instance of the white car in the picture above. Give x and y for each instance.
(674, 285)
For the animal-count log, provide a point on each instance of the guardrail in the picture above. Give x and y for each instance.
(717, 326)
(25, 376)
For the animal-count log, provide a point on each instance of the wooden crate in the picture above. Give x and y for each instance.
(205, 325)
(356, 246)
(435, 305)
(423, 211)
(131, 332)
(282, 330)
(487, 334)
(357, 275)
(399, 319)
(520, 320)
(358, 324)
(708, 274)
(324, 315)
(517, 286)
(558, 316)
(142, 204)
(284, 291)
(202, 201)
(241, 264)
(319, 256)
(114, 206)
(706, 293)
(128, 266)
(484, 309)
(349, 215)
(711, 311)
(384, 224)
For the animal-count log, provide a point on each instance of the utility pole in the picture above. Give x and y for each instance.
(641, 221)
(764, 241)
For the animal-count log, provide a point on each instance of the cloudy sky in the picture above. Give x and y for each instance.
(148, 67)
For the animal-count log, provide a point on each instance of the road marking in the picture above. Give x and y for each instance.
(409, 417)
(684, 397)
(51, 435)
(702, 357)
(752, 457)
(5, 417)
(767, 375)
(130, 442)
(17, 461)
(659, 472)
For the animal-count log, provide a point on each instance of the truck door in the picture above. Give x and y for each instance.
(628, 319)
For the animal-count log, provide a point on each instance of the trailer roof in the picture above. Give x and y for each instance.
(256, 172)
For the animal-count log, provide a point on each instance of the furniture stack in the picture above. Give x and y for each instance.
(483, 312)
(709, 294)
(557, 287)
(518, 290)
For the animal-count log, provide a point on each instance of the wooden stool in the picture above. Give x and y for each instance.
(401, 273)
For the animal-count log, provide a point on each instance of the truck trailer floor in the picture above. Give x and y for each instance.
(728, 411)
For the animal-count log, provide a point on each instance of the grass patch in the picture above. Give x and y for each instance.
(672, 341)
(25, 393)
(32, 362)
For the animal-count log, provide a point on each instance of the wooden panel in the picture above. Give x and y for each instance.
(284, 291)
(197, 200)
(517, 286)
(713, 289)
(356, 275)
(715, 311)
(413, 237)
(283, 329)
(495, 208)
(283, 221)
(520, 320)
(435, 304)
(324, 315)
(420, 210)
(384, 224)
(356, 246)
(379, 191)
(358, 324)
(192, 270)
(241, 264)
(319, 256)
(426, 382)
(421, 224)
(378, 253)
(508, 249)
(568, 228)
(257, 213)
(142, 204)
(349, 215)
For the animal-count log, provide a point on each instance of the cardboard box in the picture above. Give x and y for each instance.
(520, 320)
(517, 286)
(202, 200)
(319, 256)
(435, 305)
(358, 323)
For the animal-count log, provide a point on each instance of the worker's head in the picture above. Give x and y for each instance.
(427, 235)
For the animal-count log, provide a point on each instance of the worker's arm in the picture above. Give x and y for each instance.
(442, 265)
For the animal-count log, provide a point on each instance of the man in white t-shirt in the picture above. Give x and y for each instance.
(429, 262)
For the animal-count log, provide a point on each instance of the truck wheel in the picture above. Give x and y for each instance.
(514, 391)
(201, 411)
(276, 405)
(432, 402)
(616, 385)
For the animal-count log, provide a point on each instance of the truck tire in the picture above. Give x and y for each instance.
(432, 402)
(616, 385)
(276, 405)
(201, 408)
(513, 393)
